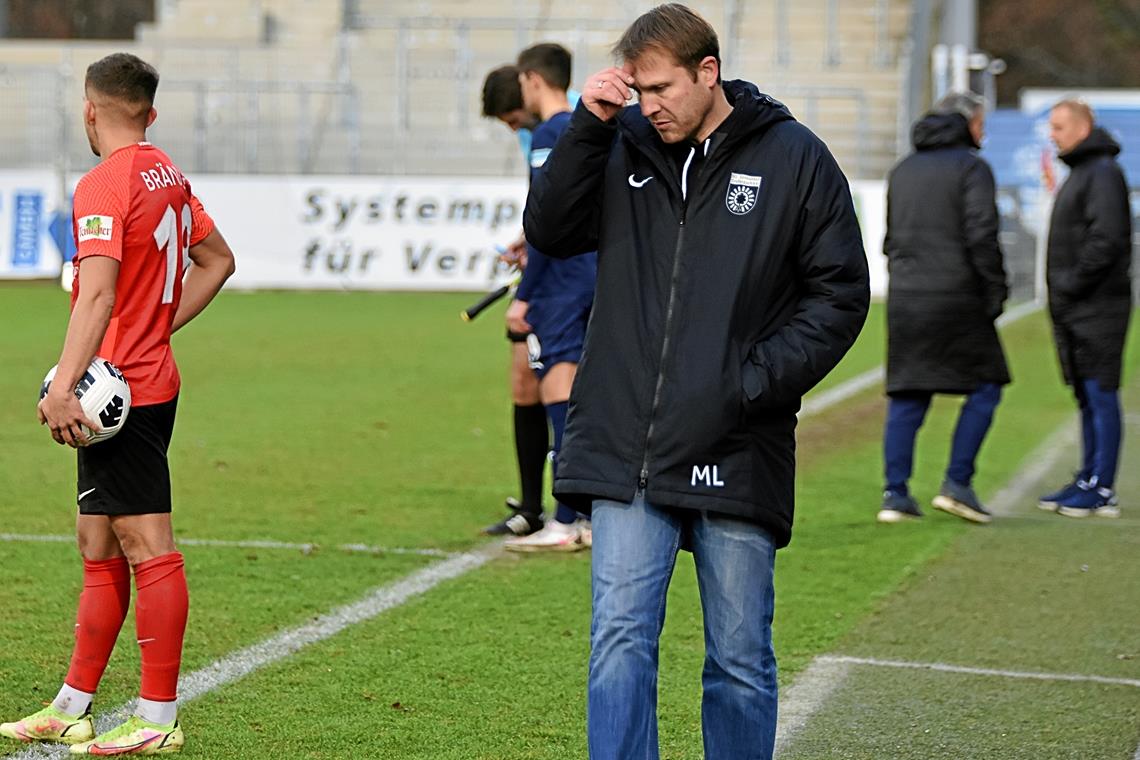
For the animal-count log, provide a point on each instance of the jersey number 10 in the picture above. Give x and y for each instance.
(175, 245)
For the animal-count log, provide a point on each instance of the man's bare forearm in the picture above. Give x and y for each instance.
(212, 263)
(85, 333)
(89, 320)
(202, 283)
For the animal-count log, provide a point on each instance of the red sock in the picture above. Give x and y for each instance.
(160, 621)
(102, 607)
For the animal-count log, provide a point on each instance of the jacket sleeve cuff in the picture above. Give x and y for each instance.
(583, 120)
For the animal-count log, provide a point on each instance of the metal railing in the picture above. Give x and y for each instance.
(465, 34)
(832, 57)
(34, 122)
(370, 101)
(813, 97)
(239, 113)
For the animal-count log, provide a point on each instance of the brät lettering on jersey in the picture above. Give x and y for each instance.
(162, 175)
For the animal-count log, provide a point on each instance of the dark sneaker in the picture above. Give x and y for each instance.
(1051, 501)
(1089, 500)
(520, 522)
(898, 507)
(961, 501)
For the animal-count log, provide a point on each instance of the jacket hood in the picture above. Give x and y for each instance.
(938, 130)
(753, 112)
(1098, 143)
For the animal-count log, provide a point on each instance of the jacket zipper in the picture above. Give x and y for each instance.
(643, 477)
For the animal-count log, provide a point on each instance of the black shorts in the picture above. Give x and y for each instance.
(129, 474)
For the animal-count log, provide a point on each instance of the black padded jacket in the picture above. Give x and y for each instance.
(1090, 253)
(725, 292)
(947, 281)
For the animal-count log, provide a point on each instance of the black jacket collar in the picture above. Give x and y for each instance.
(1098, 143)
(942, 130)
(753, 112)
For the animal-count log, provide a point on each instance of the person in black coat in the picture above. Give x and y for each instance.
(1090, 299)
(947, 286)
(731, 279)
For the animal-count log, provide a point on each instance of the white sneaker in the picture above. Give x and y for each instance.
(554, 537)
(585, 533)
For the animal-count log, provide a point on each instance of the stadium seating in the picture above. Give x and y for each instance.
(393, 86)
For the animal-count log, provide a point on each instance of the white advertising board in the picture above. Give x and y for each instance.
(28, 215)
(366, 233)
(297, 232)
(401, 233)
(871, 205)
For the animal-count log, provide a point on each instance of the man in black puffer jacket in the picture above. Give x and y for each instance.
(731, 279)
(1090, 299)
(947, 286)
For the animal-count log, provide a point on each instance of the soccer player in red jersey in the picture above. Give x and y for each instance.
(149, 260)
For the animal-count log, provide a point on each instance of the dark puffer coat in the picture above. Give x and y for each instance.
(947, 282)
(1090, 249)
(724, 294)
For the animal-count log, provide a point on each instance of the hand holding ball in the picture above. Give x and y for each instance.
(104, 395)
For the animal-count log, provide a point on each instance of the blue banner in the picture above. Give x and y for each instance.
(27, 213)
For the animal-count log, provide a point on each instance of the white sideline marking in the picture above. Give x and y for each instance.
(801, 706)
(812, 688)
(1042, 461)
(1017, 312)
(872, 377)
(241, 663)
(845, 390)
(945, 668)
(306, 548)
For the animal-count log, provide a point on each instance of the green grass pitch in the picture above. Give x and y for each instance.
(340, 418)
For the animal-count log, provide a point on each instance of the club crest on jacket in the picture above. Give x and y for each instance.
(742, 192)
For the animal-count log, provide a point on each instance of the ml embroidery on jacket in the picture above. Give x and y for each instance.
(706, 476)
(742, 192)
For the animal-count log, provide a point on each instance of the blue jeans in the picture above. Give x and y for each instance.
(1101, 428)
(905, 414)
(634, 550)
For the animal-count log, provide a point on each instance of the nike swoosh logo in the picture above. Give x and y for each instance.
(122, 749)
(85, 493)
(635, 183)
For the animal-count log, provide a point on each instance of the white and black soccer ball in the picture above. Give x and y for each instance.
(104, 395)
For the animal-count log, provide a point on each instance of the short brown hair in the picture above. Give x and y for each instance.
(1078, 108)
(550, 61)
(124, 77)
(672, 29)
(501, 92)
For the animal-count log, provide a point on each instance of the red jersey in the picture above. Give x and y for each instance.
(137, 208)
